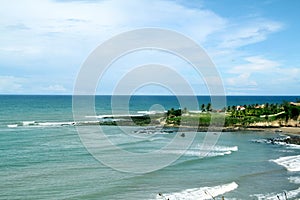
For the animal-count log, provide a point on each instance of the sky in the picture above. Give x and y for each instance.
(253, 44)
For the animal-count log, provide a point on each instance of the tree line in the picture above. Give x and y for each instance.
(245, 114)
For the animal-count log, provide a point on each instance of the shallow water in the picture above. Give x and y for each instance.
(51, 162)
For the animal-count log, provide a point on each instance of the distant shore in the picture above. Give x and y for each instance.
(284, 130)
(231, 120)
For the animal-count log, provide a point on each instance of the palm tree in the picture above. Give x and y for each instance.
(228, 109)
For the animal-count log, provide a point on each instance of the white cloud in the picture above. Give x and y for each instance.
(245, 75)
(287, 75)
(255, 64)
(60, 34)
(63, 33)
(247, 33)
(241, 81)
(55, 88)
(29, 85)
(259, 74)
(11, 84)
(106, 17)
(21, 50)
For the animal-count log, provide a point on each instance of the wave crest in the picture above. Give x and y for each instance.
(201, 193)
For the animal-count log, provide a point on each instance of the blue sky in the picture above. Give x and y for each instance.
(254, 44)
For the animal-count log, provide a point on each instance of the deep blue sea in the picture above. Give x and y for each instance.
(42, 156)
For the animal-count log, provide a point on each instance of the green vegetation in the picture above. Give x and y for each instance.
(141, 120)
(174, 116)
(248, 114)
(245, 115)
(253, 115)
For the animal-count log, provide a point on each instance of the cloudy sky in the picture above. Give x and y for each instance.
(254, 44)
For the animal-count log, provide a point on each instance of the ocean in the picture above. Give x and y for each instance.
(42, 155)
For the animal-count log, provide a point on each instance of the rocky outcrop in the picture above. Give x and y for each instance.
(287, 140)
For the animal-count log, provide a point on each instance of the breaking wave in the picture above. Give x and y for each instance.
(196, 152)
(276, 196)
(294, 179)
(201, 193)
(277, 141)
(291, 163)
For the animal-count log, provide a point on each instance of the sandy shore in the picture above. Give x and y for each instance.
(292, 130)
(286, 130)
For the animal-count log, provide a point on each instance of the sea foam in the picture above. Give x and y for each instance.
(277, 142)
(294, 179)
(12, 125)
(201, 193)
(274, 196)
(56, 123)
(197, 152)
(291, 163)
(27, 123)
(45, 124)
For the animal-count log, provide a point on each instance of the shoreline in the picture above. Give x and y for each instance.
(284, 130)
(293, 131)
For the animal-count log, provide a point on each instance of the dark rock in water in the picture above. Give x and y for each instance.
(287, 140)
(292, 140)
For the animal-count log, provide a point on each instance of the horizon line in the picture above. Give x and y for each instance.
(296, 95)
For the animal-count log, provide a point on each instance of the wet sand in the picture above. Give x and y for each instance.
(291, 130)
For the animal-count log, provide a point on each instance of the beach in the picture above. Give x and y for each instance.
(291, 130)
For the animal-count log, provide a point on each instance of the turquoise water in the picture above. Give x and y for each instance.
(48, 160)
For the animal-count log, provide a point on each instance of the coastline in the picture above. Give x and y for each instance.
(284, 130)
(291, 130)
